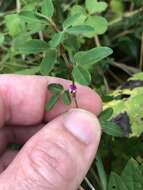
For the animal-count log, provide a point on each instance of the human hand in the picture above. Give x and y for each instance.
(56, 155)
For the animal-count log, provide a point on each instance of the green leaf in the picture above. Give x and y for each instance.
(55, 88)
(99, 23)
(48, 8)
(56, 39)
(81, 75)
(52, 102)
(111, 128)
(48, 62)
(106, 114)
(92, 56)
(29, 17)
(1, 39)
(117, 7)
(32, 71)
(116, 182)
(132, 104)
(14, 24)
(30, 6)
(95, 7)
(132, 175)
(66, 97)
(74, 20)
(80, 29)
(101, 171)
(77, 9)
(32, 47)
(33, 23)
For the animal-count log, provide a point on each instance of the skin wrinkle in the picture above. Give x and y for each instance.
(33, 179)
(22, 116)
(50, 185)
(54, 148)
(39, 85)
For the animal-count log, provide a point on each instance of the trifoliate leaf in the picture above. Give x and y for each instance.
(77, 9)
(80, 29)
(55, 88)
(74, 20)
(32, 47)
(48, 8)
(81, 75)
(48, 62)
(111, 128)
(95, 7)
(66, 97)
(56, 39)
(116, 182)
(29, 17)
(92, 56)
(106, 114)
(132, 175)
(31, 71)
(14, 24)
(99, 23)
(52, 102)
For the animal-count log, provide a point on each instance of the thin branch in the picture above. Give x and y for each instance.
(97, 41)
(41, 36)
(124, 33)
(18, 6)
(51, 22)
(63, 54)
(126, 15)
(115, 77)
(128, 69)
(89, 184)
(98, 44)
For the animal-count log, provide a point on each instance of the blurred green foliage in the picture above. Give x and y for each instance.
(102, 41)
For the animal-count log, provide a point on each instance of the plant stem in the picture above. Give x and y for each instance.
(101, 172)
(115, 77)
(62, 52)
(97, 41)
(89, 183)
(126, 15)
(81, 188)
(18, 6)
(128, 69)
(98, 44)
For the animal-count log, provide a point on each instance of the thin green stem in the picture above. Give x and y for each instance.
(101, 171)
(62, 52)
(18, 6)
(89, 184)
(126, 15)
(50, 21)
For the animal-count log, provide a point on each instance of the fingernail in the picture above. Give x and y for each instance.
(83, 125)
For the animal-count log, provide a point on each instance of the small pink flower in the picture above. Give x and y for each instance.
(72, 88)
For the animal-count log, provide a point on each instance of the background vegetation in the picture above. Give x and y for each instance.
(74, 39)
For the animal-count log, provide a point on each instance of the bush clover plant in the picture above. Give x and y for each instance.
(74, 40)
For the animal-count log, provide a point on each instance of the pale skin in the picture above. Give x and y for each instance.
(59, 146)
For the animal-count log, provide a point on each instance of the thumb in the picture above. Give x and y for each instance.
(58, 157)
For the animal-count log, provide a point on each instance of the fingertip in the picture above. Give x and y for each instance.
(84, 125)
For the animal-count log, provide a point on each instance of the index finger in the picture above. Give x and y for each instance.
(23, 99)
